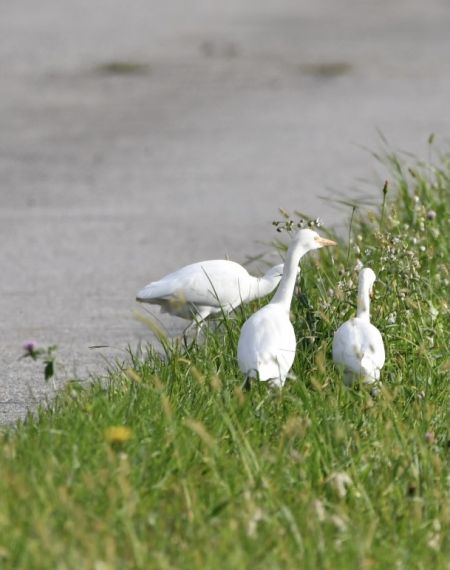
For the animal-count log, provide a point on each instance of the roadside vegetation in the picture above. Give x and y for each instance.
(171, 464)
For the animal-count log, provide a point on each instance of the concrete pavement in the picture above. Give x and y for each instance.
(136, 138)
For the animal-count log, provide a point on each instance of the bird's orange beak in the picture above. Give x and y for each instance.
(324, 242)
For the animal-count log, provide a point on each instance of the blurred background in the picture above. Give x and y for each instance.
(137, 137)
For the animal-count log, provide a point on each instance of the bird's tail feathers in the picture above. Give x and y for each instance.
(145, 294)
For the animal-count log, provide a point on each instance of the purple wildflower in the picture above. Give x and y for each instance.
(30, 347)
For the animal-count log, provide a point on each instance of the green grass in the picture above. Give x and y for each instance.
(208, 476)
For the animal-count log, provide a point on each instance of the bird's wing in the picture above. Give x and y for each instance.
(373, 351)
(345, 347)
(267, 344)
(227, 285)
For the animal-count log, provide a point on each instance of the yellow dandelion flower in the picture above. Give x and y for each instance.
(118, 434)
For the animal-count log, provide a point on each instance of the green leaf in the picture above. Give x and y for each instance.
(49, 370)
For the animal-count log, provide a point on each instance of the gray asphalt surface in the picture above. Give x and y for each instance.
(112, 175)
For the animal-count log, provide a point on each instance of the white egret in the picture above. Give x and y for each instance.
(267, 343)
(207, 288)
(357, 344)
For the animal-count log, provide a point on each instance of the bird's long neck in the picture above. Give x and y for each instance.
(363, 302)
(283, 295)
(260, 287)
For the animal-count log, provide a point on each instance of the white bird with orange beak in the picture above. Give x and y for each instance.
(357, 344)
(267, 344)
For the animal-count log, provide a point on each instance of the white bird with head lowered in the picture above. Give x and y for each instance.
(267, 344)
(200, 290)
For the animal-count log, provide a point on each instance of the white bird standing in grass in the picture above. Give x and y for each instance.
(357, 344)
(267, 343)
(207, 288)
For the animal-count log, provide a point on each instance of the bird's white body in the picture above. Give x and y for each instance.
(266, 348)
(357, 344)
(206, 288)
(358, 347)
(267, 343)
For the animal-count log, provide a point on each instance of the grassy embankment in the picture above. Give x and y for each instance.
(206, 476)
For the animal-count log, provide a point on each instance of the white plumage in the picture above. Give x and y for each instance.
(267, 344)
(357, 344)
(206, 288)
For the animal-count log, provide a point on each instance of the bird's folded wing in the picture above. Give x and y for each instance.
(373, 347)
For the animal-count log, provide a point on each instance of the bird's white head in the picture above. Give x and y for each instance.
(367, 278)
(309, 239)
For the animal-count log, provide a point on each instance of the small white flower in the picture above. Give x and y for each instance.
(433, 312)
(359, 265)
(392, 318)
